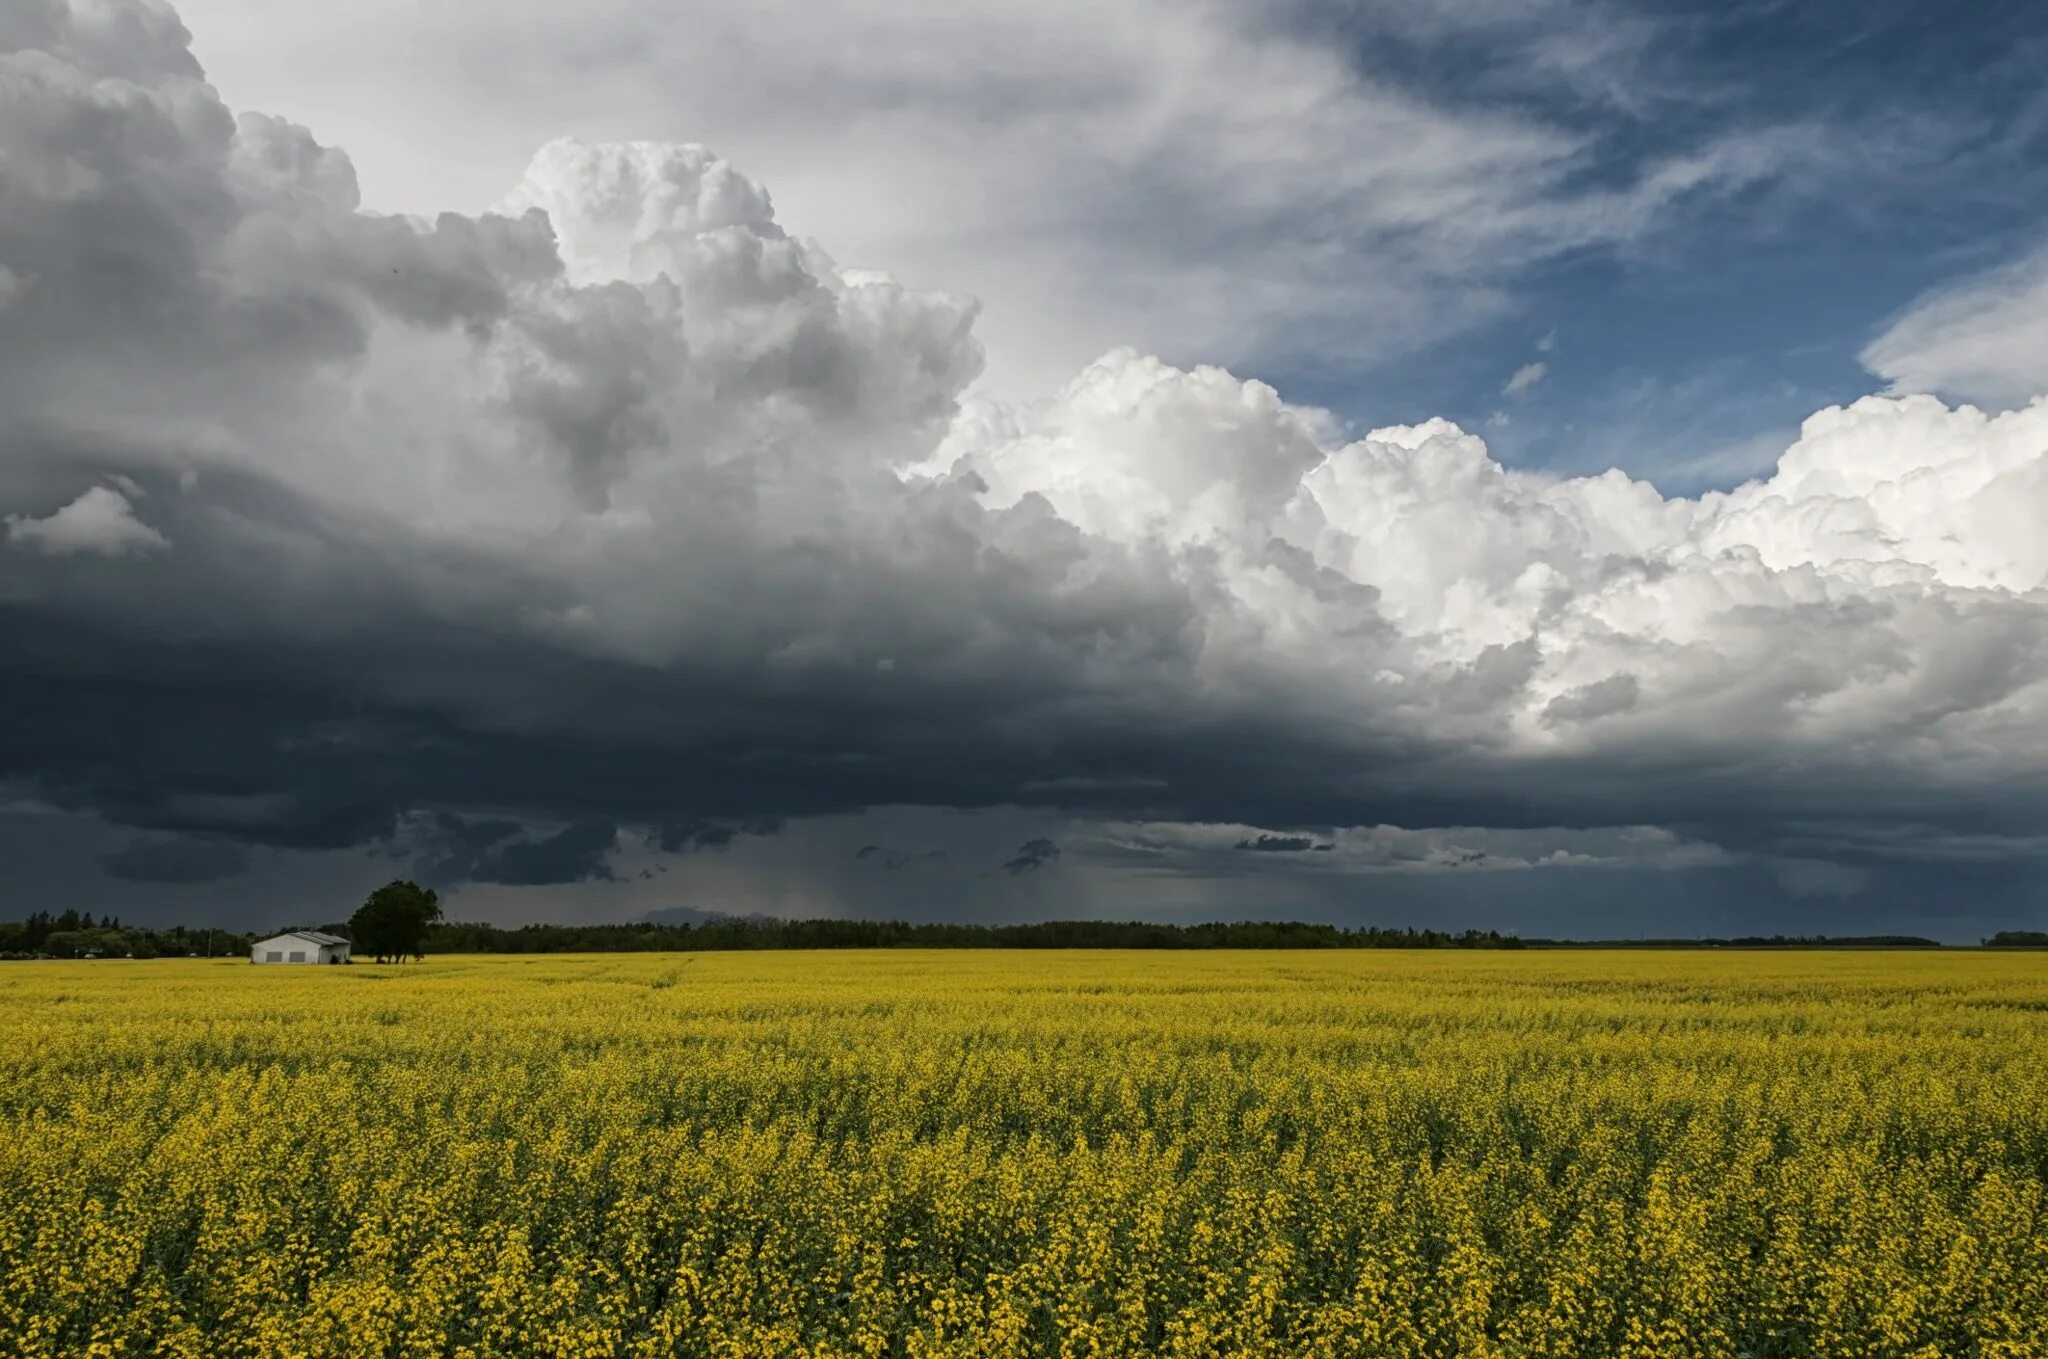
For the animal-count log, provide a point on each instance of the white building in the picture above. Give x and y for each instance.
(300, 946)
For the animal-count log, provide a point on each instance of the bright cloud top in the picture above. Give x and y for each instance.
(624, 505)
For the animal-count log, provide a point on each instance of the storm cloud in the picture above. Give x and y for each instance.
(625, 512)
(1032, 855)
(176, 860)
(1281, 844)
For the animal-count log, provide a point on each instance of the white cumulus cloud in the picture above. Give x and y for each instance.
(100, 521)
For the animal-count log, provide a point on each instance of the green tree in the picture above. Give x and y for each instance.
(392, 925)
(67, 943)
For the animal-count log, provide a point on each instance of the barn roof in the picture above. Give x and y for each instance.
(314, 937)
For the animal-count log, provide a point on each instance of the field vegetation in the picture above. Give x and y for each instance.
(1341, 1153)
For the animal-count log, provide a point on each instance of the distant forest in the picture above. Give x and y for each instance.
(74, 935)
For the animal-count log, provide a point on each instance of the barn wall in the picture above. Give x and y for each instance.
(315, 953)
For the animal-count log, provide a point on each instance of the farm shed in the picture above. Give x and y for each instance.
(300, 946)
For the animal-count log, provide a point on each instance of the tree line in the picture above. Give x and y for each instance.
(758, 932)
(75, 934)
(402, 920)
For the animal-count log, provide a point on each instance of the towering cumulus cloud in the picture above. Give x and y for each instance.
(624, 507)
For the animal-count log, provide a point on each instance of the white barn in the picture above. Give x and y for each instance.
(300, 946)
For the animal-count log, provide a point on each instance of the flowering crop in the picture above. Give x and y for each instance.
(1021, 1153)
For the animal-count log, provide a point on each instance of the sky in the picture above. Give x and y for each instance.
(1557, 467)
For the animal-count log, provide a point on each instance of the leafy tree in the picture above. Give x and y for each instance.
(67, 943)
(392, 925)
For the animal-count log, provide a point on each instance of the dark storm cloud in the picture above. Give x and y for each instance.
(1615, 694)
(893, 859)
(575, 853)
(681, 837)
(176, 860)
(1280, 844)
(1032, 855)
(501, 541)
(295, 747)
(449, 849)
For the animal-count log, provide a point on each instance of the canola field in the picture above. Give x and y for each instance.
(1006, 1154)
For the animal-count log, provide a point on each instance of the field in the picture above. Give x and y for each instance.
(986, 1154)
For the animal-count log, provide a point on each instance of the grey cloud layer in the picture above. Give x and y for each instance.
(623, 507)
